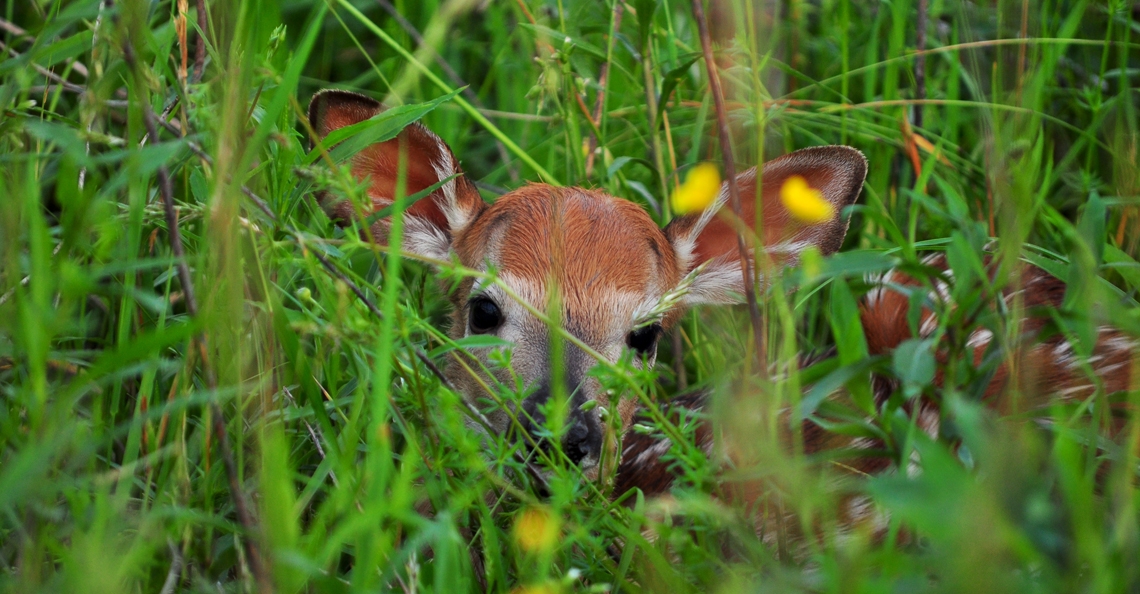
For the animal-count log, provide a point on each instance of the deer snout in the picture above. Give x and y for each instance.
(582, 436)
(583, 441)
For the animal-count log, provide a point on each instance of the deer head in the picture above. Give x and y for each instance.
(601, 259)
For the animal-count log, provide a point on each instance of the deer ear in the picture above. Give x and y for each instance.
(710, 236)
(432, 222)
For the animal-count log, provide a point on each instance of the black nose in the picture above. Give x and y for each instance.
(583, 439)
(583, 431)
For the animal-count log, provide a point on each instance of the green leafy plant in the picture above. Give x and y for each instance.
(208, 386)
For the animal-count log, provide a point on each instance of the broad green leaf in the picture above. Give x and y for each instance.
(674, 76)
(913, 362)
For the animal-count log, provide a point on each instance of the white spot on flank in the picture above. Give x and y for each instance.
(859, 508)
(941, 293)
(1107, 369)
(1063, 355)
(979, 339)
(929, 419)
(931, 259)
(928, 326)
(1120, 342)
(880, 282)
(942, 288)
(914, 466)
(1011, 297)
(648, 456)
(1085, 388)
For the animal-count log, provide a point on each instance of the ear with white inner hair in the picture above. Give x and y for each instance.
(432, 222)
(837, 172)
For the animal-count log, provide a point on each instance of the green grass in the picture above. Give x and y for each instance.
(355, 464)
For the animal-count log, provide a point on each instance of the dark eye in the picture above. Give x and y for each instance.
(644, 339)
(485, 315)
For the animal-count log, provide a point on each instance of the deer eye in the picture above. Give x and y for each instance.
(485, 316)
(644, 339)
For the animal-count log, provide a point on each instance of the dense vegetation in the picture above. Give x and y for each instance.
(263, 419)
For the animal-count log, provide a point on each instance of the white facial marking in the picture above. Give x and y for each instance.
(789, 247)
(721, 282)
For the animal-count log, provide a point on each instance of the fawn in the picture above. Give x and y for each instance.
(611, 264)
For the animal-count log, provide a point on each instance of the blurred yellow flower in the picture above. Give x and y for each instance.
(804, 202)
(536, 529)
(701, 186)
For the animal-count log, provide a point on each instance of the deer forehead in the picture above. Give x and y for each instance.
(608, 261)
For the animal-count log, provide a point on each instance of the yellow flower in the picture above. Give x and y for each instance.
(804, 202)
(536, 529)
(701, 186)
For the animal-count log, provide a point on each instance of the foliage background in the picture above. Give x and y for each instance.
(281, 434)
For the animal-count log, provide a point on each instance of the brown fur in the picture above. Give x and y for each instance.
(617, 247)
(1045, 365)
(332, 110)
(840, 185)
(606, 262)
(603, 258)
